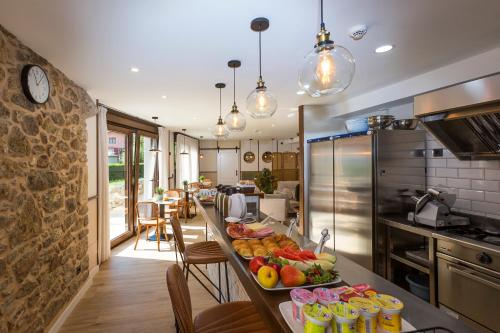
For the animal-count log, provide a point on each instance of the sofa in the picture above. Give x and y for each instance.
(282, 202)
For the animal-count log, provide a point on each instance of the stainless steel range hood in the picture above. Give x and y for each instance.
(464, 117)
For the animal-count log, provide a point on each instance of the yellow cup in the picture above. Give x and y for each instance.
(389, 317)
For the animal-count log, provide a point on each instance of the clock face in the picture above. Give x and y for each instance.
(35, 84)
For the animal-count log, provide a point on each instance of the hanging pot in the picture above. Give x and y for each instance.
(249, 157)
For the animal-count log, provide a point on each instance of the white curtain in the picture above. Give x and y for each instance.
(187, 165)
(104, 243)
(163, 165)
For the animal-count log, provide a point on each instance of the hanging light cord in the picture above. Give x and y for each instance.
(220, 102)
(322, 22)
(234, 85)
(260, 56)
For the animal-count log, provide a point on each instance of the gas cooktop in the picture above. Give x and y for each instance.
(487, 235)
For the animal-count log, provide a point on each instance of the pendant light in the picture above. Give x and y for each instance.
(261, 103)
(220, 130)
(154, 142)
(328, 68)
(235, 120)
(184, 152)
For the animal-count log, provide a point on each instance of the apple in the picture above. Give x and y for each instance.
(267, 276)
(257, 263)
(291, 276)
(275, 266)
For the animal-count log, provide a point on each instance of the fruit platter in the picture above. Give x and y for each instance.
(248, 231)
(251, 248)
(287, 268)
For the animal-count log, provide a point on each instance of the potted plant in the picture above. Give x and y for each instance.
(202, 179)
(264, 181)
(185, 183)
(159, 193)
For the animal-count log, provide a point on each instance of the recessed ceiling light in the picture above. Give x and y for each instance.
(291, 114)
(164, 97)
(384, 48)
(301, 92)
(134, 69)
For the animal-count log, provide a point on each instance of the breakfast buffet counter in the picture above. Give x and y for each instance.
(417, 312)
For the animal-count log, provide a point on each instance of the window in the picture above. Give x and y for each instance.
(112, 141)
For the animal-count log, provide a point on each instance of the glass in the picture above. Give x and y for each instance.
(220, 130)
(261, 103)
(235, 120)
(327, 70)
(118, 183)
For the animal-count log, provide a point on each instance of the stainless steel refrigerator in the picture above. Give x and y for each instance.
(353, 179)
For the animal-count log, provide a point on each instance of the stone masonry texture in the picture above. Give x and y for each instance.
(43, 193)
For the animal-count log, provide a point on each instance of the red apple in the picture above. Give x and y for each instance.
(257, 263)
(276, 267)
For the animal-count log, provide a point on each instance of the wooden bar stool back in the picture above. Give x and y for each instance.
(234, 317)
(201, 253)
(148, 215)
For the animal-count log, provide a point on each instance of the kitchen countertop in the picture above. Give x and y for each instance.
(417, 312)
(400, 222)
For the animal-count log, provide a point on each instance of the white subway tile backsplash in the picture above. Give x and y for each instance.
(446, 172)
(471, 195)
(492, 174)
(485, 185)
(485, 207)
(485, 164)
(471, 173)
(436, 163)
(492, 197)
(459, 183)
(454, 163)
(435, 181)
(431, 172)
(462, 204)
(493, 216)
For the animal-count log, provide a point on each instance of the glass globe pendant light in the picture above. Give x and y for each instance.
(235, 120)
(261, 103)
(220, 131)
(329, 68)
(184, 152)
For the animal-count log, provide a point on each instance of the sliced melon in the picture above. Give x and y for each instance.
(327, 256)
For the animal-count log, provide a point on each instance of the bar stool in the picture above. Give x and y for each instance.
(201, 253)
(234, 317)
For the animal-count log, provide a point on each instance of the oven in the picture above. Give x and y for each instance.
(469, 283)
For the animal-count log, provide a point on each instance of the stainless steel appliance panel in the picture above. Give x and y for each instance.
(470, 290)
(321, 203)
(353, 187)
(400, 169)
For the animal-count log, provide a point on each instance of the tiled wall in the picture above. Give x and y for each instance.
(476, 183)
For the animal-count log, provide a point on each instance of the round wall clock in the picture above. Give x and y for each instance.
(35, 84)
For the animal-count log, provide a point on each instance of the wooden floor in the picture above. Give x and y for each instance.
(129, 294)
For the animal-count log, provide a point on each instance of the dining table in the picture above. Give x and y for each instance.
(163, 205)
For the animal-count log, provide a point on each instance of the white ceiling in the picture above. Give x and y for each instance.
(182, 47)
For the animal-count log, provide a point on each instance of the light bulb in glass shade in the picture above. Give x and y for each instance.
(261, 103)
(220, 130)
(328, 69)
(235, 120)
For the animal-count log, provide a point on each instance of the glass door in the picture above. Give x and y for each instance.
(120, 153)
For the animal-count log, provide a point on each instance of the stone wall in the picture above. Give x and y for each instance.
(43, 193)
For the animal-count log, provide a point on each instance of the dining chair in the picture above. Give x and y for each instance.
(174, 205)
(148, 215)
(201, 253)
(233, 317)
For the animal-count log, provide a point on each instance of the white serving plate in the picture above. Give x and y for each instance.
(231, 219)
(280, 285)
(296, 327)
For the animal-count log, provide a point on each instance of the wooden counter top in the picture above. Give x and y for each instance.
(417, 312)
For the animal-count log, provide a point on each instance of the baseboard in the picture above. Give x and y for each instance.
(64, 314)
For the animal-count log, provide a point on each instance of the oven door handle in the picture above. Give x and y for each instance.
(470, 275)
